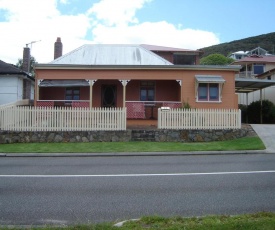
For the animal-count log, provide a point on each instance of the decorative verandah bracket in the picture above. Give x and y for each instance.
(91, 82)
(39, 81)
(179, 82)
(124, 83)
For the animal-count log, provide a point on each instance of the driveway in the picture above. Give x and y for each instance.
(267, 134)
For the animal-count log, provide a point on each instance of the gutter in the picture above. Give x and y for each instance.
(137, 67)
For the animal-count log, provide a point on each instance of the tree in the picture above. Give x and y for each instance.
(216, 59)
(19, 64)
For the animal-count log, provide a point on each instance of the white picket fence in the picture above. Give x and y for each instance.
(27, 118)
(199, 118)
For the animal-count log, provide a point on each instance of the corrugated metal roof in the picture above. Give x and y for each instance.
(111, 55)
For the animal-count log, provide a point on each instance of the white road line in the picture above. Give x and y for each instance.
(141, 175)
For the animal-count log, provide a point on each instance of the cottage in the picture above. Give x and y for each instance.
(142, 78)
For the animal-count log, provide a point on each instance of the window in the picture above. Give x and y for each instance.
(72, 94)
(258, 69)
(182, 59)
(208, 92)
(147, 91)
(209, 88)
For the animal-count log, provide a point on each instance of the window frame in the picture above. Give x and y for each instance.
(147, 86)
(73, 94)
(207, 93)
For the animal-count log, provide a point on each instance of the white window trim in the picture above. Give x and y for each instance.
(212, 79)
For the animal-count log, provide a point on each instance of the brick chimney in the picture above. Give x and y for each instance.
(58, 48)
(26, 59)
(26, 68)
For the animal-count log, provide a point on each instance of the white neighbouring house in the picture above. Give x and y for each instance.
(15, 84)
(258, 75)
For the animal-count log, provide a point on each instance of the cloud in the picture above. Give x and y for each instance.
(122, 26)
(157, 33)
(33, 20)
(119, 12)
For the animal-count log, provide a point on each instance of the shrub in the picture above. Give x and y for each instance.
(254, 112)
(243, 109)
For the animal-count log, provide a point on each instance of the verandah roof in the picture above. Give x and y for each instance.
(250, 85)
(63, 83)
(209, 79)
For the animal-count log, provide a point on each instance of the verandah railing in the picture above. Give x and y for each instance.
(28, 118)
(199, 118)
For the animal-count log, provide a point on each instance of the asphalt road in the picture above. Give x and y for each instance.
(71, 190)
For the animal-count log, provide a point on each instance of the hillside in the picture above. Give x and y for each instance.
(265, 41)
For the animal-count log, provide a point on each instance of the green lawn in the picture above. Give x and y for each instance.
(246, 143)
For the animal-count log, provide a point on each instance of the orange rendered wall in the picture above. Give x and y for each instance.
(228, 92)
(186, 92)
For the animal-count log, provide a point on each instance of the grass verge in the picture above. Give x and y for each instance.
(246, 143)
(253, 221)
(258, 221)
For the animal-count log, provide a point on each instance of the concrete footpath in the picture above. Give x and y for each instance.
(265, 132)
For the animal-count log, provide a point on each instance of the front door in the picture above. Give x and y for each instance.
(108, 95)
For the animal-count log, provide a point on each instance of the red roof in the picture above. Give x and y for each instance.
(256, 59)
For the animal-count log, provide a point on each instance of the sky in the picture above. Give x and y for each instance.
(174, 23)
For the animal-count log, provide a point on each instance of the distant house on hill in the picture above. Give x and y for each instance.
(242, 54)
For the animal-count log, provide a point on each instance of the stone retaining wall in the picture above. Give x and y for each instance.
(128, 135)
